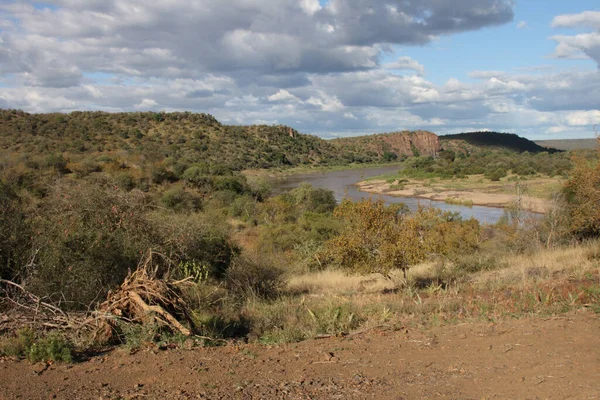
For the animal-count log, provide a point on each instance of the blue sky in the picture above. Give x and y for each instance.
(331, 68)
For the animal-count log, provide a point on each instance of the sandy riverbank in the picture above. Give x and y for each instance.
(419, 190)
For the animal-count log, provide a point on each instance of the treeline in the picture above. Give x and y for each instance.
(493, 163)
(508, 141)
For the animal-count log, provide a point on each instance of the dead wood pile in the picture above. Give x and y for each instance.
(144, 299)
(20, 309)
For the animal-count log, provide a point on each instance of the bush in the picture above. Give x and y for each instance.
(496, 174)
(251, 278)
(179, 199)
(24, 344)
(87, 237)
(14, 234)
(235, 184)
(376, 238)
(56, 162)
(582, 193)
(195, 238)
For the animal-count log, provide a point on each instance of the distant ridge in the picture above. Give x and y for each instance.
(508, 141)
(147, 140)
(569, 144)
(390, 146)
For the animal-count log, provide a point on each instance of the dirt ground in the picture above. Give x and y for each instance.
(530, 358)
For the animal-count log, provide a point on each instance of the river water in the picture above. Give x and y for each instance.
(342, 183)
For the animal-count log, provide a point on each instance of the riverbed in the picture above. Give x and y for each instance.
(343, 184)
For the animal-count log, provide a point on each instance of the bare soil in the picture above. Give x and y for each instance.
(530, 358)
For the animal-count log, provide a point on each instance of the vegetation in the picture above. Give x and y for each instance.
(85, 197)
(494, 164)
(381, 239)
(582, 193)
(508, 141)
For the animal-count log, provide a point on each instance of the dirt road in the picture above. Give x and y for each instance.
(531, 358)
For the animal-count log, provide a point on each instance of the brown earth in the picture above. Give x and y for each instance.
(531, 358)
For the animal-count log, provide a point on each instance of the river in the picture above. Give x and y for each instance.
(342, 183)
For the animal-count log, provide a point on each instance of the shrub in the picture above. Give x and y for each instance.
(252, 278)
(50, 348)
(235, 184)
(25, 344)
(244, 207)
(14, 233)
(496, 175)
(179, 199)
(376, 238)
(582, 193)
(86, 237)
(195, 238)
(56, 162)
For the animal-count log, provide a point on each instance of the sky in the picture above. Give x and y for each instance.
(331, 68)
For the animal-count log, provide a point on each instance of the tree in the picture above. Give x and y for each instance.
(582, 192)
(378, 239)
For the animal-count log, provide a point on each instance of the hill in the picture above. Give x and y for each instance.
(153, 137)
(145, 140)
(389, 146)
(569, 144)
(509, 141)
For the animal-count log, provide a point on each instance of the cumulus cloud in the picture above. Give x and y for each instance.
(283, 95)
(404, 63)
(589, 19)
(522, 24)
(316, 67)
(581, 45)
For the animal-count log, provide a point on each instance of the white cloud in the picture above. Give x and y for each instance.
(404, 63)
(590, 19)
(283, 95)
(317, 68)
(326, 102)
(584, 45)
(147, 104)
(522, 24)
(486, 74)
(310, 6)
(583, 118)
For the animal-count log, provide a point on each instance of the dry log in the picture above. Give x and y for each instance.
(159, 310)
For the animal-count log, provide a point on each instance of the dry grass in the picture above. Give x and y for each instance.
(548, 282)
(574, 262)
(337, 282)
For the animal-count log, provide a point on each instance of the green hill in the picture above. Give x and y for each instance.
(154, 137)
(569, 144)
(508, 141)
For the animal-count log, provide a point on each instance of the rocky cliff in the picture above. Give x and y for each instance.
(392, 145)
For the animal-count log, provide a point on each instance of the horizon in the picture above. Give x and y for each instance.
(335, 68)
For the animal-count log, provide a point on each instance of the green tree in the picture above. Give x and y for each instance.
(380, 238)
(582, 192)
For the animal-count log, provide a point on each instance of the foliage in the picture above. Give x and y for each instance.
(86, 238)
(377, 238)
(255, 278)
(493, 163)
(495, 139)
(582, 192)
(88, 235)
(14, 233)
(25, 344)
